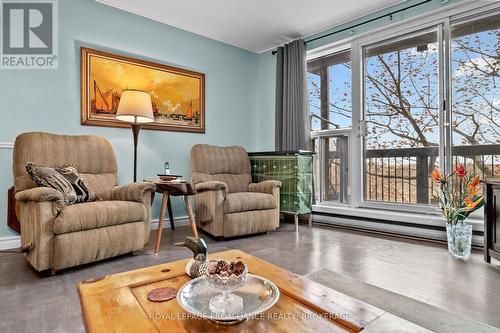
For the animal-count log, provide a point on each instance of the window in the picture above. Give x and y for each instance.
(330, 105)
(402, 119)
(424, 98)
(475, 79)
(329, 83)
(337, 150)
(331, 167)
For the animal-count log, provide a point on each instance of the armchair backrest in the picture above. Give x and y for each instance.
(93, 156)
(230, 165)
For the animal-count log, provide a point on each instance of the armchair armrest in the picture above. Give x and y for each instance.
(43, 194)
(266, 186)
(212, 185)
(132, 192)
(209, 200)
(38, 207)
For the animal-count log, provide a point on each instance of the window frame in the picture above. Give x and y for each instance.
(435, 26)
(454, 21)
(441, 22)
(321, 134)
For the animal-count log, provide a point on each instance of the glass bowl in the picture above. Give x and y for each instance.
(226, 302)
(259, 294)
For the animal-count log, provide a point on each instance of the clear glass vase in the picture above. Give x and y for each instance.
(459, 235)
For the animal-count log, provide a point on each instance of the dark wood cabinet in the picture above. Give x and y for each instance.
(492, 219)
(12, 220)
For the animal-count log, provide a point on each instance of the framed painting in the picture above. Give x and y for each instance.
(177, 95)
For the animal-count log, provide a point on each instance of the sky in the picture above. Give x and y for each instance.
(475, 93)
(465, 65)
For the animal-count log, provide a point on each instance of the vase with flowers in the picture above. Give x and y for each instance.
(458, 198)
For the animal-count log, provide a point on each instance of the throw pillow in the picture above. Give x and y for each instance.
(83, 190)
(50, 177)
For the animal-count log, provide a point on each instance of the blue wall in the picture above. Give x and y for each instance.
(49, 100)
(266, 91)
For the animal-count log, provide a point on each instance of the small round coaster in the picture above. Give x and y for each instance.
(162, 294)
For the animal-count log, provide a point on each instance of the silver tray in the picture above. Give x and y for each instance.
(258, 293)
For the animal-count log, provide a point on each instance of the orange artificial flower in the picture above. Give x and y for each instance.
(460, 170)
(437, 176)
(470, 204)
(472, 190)
(475, 181)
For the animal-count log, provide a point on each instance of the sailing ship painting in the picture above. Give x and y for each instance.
(104, 103)
(177, 95)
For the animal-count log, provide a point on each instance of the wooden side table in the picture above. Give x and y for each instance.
(168, 188)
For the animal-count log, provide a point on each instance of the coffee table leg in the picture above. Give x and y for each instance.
(190, 215)
(164, 203)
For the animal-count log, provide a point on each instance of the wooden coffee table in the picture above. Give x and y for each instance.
(118, 303)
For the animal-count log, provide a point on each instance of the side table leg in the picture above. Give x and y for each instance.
(170, 214)
(310, 222)
(296, 221)
(164, 203)
(190, 215)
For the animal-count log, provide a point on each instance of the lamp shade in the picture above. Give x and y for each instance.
(135, 107)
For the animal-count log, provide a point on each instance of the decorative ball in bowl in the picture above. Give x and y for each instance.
(226, 276)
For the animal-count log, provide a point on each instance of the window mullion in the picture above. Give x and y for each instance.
(446, 99)
(356, 150)
(324, 97)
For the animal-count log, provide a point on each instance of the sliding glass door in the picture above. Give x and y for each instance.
(401, 113)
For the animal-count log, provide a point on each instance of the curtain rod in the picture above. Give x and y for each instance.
(367, 21)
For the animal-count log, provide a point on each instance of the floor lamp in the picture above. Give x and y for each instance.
(135, 107)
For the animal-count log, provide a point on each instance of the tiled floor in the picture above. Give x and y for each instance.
(421, 270)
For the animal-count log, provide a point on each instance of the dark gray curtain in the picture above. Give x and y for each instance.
(292, 120)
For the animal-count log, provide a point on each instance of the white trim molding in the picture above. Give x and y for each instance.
(179, 221)
(6, 145)
(394, 229)
(9, 243)
(430, 219)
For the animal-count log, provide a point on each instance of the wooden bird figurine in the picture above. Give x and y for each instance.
(197, 266)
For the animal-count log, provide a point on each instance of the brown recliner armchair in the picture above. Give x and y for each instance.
(228, 203)
(55, 236)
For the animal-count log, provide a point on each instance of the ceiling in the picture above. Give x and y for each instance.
(255, 25)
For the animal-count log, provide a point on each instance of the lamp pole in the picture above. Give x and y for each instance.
(136, 127)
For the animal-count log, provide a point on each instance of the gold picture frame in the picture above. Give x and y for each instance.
(178, 95)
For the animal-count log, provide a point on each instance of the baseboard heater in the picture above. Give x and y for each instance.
(391, 228)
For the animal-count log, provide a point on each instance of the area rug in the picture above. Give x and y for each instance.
(425, 315)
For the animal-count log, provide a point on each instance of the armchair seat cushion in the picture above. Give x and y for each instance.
(97, 214)
(246, 201)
